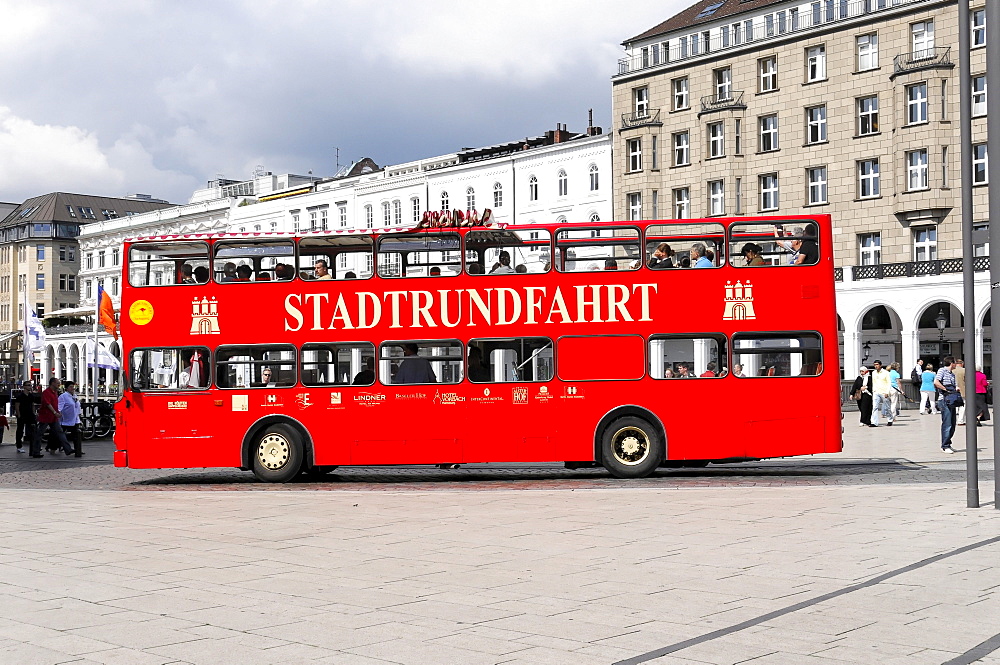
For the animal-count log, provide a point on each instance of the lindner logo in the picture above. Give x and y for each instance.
(204, 317)
(739, 302)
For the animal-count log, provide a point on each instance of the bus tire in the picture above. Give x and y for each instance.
(631, 448)
(277, 454)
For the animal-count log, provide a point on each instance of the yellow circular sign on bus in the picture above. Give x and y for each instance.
(141, 312)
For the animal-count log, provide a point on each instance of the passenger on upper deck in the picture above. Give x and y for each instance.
(350, 275)
(504, 267)
(808, 251)
(610, 264)
(186, 274)
(201, 274)
(435, 271)
(283, 271)
(477, 372)
(661, 257)
(365, 377)
(229, 272)
(698, 257)
(243, 273)
(322, 270)
(751, 252)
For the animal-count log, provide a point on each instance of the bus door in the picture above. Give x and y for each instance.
(171, 405)
(509, 374)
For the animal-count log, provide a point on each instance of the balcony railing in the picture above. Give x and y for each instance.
(712, 103)
(650, 117)
(671, 51)
(928, 58)
(915, 268)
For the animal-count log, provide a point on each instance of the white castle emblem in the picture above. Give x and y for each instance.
(739, 302)
(204, 317)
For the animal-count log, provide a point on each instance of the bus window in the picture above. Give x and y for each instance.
(254, 260)
(686, 356)
(420, 255)
(601, 358)
(520, 359)
(685, 245)
(184, 368)
(163, 263)
(345, 257)
(434, 361)
(340, 364)
(258, 366)
(597, 249)
(777, 354)
(503, 252)
(781, 243)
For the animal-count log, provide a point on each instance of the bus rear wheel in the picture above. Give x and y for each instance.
(631, 448)
(277, 455)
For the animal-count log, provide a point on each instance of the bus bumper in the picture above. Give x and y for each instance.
(121, 458)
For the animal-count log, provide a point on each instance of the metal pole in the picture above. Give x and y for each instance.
(968, 275)
(993, 127)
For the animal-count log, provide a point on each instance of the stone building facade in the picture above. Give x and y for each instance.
(848, 108)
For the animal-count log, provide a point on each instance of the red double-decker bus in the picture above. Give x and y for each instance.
(631, 345)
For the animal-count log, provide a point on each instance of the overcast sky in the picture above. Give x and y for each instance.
(154, 96)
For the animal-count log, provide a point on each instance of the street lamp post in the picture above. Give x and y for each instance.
(866, 349)
(941, 321)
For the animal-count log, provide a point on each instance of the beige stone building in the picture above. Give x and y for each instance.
(762, 107)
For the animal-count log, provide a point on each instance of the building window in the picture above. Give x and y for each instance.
(563, 183)
(470, 199)
(397, 213)
(100, 259)
(594, 181)
(313, 217)
(716, 140)
(868, 115)
(925, 243)
(69, 209)
(114, 286)
(634, 206)
(916, 103)
(62, 282)
(738, 134)
(980, 165)
(654, 152)
(40, 281)
(817, 185)
(39, 252)
(633, 151)
(981, 229)
(723, 79)
(737, 34)
(640, 96)
(532, 188)
(815, 63)
(816, 124)
(62, 252)
(922, 35)
(295, 221)
(342, 211)
(916, 170)
(71, 282)
(769, 133)
(90, 260)
(682, 149)
(979, 95)
(88, 288)
(71, 254)
(868, 178)
(739, 196)
(769, 191)
(867, 52)
(386, 214)
(870, 249)
(978, 28)
(716, 197)
(767, 70)
(445, 203)
(681, 98)
(369, 216)
(115, 256)
(497, 195)
(682, 203)
(656, 204)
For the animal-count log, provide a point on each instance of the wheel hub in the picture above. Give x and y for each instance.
(273, 452)
(630, 446)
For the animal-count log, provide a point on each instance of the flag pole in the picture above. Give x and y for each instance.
(97, 318)
(25, 344)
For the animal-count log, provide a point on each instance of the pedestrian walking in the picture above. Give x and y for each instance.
(48, 421)
(69, 417)
(897, 388)
(861, 392)
(927, 392)
(24, 410)
(950, 400)
(982, 387)
(959, 371)
(882, 387)
(916, 374)
(4, 425)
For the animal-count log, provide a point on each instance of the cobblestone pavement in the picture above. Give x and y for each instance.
(867, 556)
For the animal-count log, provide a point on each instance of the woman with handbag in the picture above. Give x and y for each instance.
(861, 392)
(982, 385)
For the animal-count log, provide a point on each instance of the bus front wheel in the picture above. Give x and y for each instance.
(631, 448)
(277, 456)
